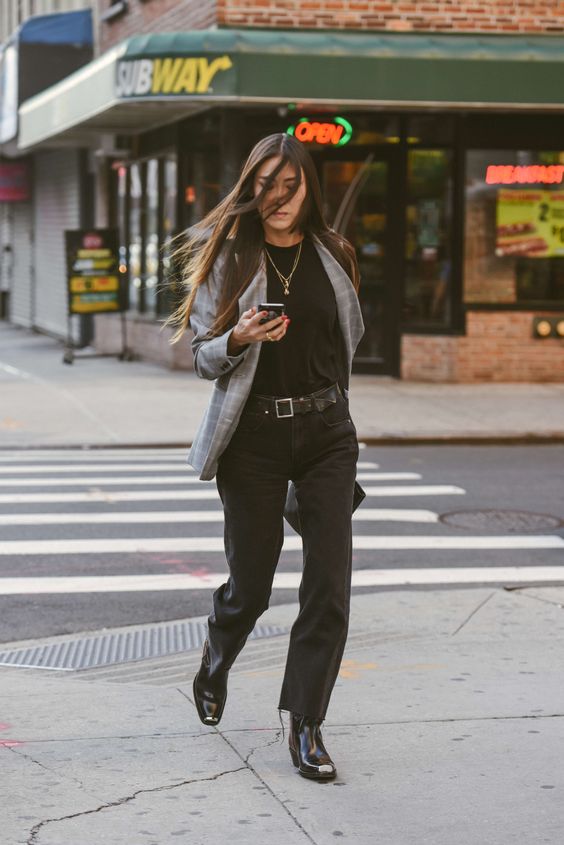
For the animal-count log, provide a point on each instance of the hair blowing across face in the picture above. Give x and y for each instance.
(235, 225)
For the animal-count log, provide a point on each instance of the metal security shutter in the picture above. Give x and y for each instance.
(56, 208)
(21, 238)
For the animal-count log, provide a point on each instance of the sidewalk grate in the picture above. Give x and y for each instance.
(87, 652)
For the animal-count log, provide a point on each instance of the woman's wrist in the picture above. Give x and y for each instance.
(234, 345)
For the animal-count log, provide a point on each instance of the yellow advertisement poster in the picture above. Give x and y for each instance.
(530, 223)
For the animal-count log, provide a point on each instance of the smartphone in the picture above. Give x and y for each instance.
(275, 309)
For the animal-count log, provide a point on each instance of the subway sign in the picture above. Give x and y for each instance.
(174, 76)
(334, 133)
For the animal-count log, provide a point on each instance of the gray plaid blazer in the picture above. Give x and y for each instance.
(234, 375)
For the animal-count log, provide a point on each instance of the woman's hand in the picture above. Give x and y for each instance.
(249, 330)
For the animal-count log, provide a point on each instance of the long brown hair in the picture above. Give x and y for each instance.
(235, 225)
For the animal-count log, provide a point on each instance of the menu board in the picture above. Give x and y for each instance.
(94, 282)
(530, 223)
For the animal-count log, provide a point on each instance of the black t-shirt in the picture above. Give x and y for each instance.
(307, 358)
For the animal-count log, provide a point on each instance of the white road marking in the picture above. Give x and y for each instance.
(282, 580)
(423, 490)
(56, 468)
(126, 517)
(113, 480)
(200, 494)
(142, 466)
(110, 497)
(140, 545)
(100, 481)
(17, 456)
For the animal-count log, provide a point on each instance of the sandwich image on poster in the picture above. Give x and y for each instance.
(529, 223)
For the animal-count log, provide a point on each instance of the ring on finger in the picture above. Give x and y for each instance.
(268, 336)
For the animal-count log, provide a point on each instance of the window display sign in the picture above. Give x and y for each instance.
(336, 133)
(530, 223)
(14, 182)
(94, 281)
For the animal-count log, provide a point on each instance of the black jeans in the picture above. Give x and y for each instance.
(318, 451)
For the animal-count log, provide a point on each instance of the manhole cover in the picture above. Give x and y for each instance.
(501, 520)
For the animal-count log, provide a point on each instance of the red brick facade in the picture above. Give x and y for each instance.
(498, 346)
(143, 16)
(503, 16)
(443, 15)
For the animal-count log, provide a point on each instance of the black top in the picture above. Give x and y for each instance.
(306, 359)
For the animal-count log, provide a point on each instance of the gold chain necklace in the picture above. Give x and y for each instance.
(286, 280)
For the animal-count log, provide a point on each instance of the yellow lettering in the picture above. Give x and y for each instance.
(187, 78)
(207, 71)
(165, 72)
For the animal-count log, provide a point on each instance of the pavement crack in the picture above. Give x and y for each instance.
(32, 839)
(524, 595)
(266, 785)
(470, 615)
(51, 771)
(260, 747)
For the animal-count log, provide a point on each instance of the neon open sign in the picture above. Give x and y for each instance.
(337, 133)
(508, 174)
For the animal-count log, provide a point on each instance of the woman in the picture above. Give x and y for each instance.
(278, 413)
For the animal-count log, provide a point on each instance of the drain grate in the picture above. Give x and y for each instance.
(86, 652)
(501, 520)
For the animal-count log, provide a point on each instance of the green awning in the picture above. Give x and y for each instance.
(153, 79)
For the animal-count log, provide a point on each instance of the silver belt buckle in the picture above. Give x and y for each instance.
(282, 416)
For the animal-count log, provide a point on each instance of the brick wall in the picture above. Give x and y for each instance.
(504, 16)
(498, 347)
(154, 16)
(442, 15)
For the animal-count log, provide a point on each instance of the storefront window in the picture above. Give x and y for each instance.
(168, 286)
(151, 239)
(428, 244)
(514, 239)
(145, 211)
(202, 192)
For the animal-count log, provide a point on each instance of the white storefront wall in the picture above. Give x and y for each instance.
(56, 208)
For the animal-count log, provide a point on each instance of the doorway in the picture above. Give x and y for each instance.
(359, 203)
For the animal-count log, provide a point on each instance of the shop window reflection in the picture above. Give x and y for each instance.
(151, 239)
(135, 237)
(428, 245)
(146, 217)
(355, 204)
(168, 284)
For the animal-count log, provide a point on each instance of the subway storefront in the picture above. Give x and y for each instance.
(440, 158)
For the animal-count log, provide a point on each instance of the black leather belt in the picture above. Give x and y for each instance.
(282, 408)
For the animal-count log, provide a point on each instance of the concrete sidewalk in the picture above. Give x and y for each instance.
(105, 402)
(446, 724)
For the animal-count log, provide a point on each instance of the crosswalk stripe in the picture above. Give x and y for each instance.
(86, 518)
(110, 497)
(140, 545)
(111, 480)
(282, 580)
(199, 494)
(56, 468)
(109, 456)
(32, 455)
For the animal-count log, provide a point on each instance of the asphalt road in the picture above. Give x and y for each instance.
(446, 516)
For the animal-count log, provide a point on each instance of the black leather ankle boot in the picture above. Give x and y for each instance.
(209, 695)
(308, 753)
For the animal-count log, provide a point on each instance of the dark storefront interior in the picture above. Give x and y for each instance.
(408, 190)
